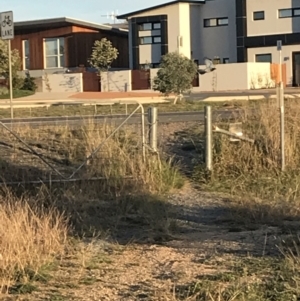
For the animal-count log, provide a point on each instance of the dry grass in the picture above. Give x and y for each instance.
(253, 170)
(118, 160)
(126, 203)
(31, 237)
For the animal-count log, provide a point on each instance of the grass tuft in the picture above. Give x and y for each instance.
(253, 170)
(31, 237)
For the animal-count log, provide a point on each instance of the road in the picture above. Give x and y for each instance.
(115, 119)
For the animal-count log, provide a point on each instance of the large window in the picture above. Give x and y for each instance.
(289, 12)
(26, 54)
(149, 26)
(150, 40)
(55, 53)
(263, 58)
(258, 15)
(215, 22)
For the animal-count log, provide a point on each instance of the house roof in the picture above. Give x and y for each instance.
(65, 21)
(125, 16)
(118, 25)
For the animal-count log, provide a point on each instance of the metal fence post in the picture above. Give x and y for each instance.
(152, 120)
(208, 138)
(282, 147)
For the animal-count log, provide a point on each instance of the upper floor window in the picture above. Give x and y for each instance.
(26, 55)
(258, 15)
(215, 22)
(296, 12)
(288, 12)
(149, 26)
(156, 25)
(150, 40)
(54, 52)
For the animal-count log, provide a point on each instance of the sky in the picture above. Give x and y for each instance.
(87, 10)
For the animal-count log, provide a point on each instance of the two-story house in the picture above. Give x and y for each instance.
(231, 30)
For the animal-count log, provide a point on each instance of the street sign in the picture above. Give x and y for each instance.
(7, 33)
(7, 25)
(279, 45)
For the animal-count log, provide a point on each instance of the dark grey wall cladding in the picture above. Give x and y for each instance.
(135, 43)
(164, 35)
(241, 29)
(271, 40)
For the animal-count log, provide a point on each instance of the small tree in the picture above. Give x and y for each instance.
(103, 55)
(15, 63)
(175, 75)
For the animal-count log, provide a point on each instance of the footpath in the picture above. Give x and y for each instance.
(144, 97)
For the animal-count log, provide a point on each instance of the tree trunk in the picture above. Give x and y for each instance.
(177, 97)
(107, 80)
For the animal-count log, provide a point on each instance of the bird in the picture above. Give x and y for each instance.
(209, 66)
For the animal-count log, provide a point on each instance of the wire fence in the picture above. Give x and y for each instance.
(61, 153)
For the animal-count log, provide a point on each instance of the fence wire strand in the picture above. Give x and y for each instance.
(34, 154)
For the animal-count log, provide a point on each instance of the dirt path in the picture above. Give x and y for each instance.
(194, 234)
(204, 240)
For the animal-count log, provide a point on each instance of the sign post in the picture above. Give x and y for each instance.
(7, 33)
(280, 94)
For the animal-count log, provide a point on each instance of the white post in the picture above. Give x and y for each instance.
(152, 120)
(10, 81)
(208, 138)
(281, 105)
(280, 71)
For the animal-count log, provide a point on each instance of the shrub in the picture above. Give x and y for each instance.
(29, 83)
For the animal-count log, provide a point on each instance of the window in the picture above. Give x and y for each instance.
(222, 21)
(156, 40)
(210, 22)
(215, 22)
(156, 26)
(149, 26)
(26, 60)
(146, 26)
(263, 58)
(285, 13)
(289, 12)
(296, 12)
(145, 40)
(150, 40)
(54, 53)
(258, 15)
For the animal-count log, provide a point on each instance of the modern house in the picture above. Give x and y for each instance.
(64, 43)
(231, 31)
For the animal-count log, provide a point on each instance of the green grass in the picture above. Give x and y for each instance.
(80, 110)
(16, 94)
